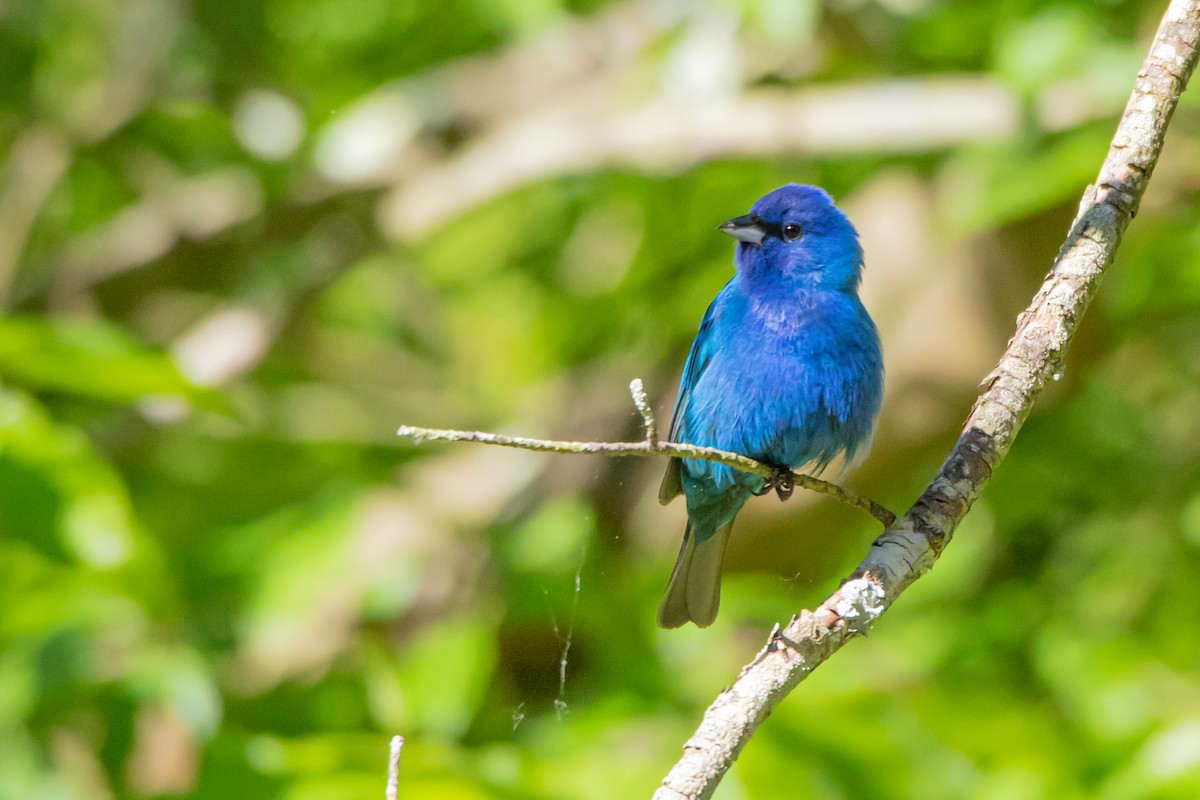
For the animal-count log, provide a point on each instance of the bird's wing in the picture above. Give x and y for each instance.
(697, 360)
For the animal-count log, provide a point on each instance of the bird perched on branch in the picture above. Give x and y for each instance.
(786, 369)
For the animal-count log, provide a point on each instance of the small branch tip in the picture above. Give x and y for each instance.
(638, 391)
(393, 777)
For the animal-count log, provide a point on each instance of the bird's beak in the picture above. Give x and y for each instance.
(746, 228)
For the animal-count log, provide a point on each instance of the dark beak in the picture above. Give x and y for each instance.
(746, 228)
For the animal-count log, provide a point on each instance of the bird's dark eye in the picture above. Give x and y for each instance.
(791, 232)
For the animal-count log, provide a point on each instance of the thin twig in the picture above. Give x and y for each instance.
(650, 447)
(643, 406)
(393, 779)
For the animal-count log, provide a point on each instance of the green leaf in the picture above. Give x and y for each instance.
(56, 493)
(93, 359)
(435, 685)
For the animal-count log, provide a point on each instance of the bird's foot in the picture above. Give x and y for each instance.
(784, 484)
(781, 481)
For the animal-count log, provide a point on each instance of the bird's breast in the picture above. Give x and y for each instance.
(789, 381)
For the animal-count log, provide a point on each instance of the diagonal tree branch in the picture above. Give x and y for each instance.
(907, 550)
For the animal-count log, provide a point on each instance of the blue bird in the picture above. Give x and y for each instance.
(786, 369)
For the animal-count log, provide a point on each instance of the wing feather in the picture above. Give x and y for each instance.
(697, 361)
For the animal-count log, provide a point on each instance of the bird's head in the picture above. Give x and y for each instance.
(797, 233)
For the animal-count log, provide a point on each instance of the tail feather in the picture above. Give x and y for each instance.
(672, 482)
(694, 591)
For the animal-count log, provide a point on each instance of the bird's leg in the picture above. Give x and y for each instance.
(781, 481)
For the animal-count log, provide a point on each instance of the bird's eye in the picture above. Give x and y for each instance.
(791, 232)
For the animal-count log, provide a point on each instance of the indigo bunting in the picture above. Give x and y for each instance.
(786, 369)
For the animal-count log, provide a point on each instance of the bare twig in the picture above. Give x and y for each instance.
(909, 548)
(650, 447)
(393, 778)
(643, 406)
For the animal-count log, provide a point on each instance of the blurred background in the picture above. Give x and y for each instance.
(240, 243)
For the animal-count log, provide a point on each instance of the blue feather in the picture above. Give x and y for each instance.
(786, 368)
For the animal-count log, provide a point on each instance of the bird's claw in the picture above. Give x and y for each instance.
(781, 481)
(784, 484)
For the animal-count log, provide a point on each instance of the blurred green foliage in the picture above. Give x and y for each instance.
(221, 575)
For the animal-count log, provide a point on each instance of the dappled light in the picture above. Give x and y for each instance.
(242, 244)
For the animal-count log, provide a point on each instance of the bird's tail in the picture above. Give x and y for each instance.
(694, 591)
